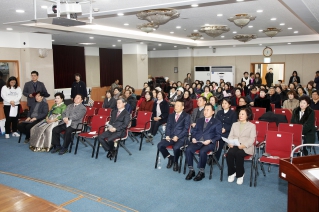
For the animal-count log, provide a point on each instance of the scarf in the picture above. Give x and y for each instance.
(158, 108)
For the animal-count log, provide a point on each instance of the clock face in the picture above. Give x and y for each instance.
(267, 52)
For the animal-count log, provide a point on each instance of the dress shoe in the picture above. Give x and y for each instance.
(175, 167)
(63, 151)
(56, 149)
(190, 175)
(109, 154)
(26, 140)
(199, 176)
(170, 162)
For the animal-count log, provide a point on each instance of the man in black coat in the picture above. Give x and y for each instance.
(269, 77)
(274, 97)
(78, 87)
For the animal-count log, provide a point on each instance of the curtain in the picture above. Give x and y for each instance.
(110, 66)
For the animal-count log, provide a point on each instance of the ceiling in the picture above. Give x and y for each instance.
(108, 29)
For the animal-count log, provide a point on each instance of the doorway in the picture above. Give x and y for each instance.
(263, 68)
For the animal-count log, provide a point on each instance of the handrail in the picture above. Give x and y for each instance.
(297, 147)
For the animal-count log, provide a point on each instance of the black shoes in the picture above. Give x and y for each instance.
(199, 176)
(26, 140)
(175, 167)
(56, 149)
(63, 151)
(190, 175)
(170, 162)
(111, 154)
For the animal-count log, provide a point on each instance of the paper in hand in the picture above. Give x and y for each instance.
(69, 123)
(13, 111)
(233, 142)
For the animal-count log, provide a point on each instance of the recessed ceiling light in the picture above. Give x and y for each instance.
(290, 28)
(250, 26)
(175, 46)
(222, 36)
(178, 27)
(53, 40)
(126, 24)
(260, 30)
(159, 44)
(154, 49)
(288, 43)
(91, 37)
(240, 0)
(194, 5)
(207, 24)
(114, 45)
(296, 32)
(120, 14)
(87, 43)
(195, 30)
(118, 40)
(20, 11)
(273, 19)
(260, 11)
(282, 24)
(219, 14)
(202, 38)
(44, 7)
(234, 32)
(9, 29)
(260, 44)
(172, 32)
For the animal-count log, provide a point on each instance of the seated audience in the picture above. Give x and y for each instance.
(172, 93)
(132, 92)
(160, 114)
(198, 90)
(314, 103)
(309, 89)
(154, 94)
(199, 111)
(258, 80)
(292, 86)
(207, 94)
(262, 100)
(130, 99)
(252, 96)
(245, 132)
(219, 94)
(227, 90)
(294, 77)
(291, 103)
(304, 115)
(242, 103)
(192, 95)
(41, 133)
(120, 119)
(37, 113)
(282, 94)
(109, 101)
(213, 100)
(227, 117)
(178, 96)
(301, 92)
(274, 97)
(235, 98)
(11, 94)
(188, 103)
(71, 117)
(116, 93)
(147, 104)
(204, 137)
(175, 134)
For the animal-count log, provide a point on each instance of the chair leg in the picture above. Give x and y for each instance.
(156, 161)
(124, 147)
(97, 150)
(211, 170)
(76, 146)
(269, 168)
(141, 141)
(251, 172)
(314, 150)
(20, 137)
(184, 172)
(117, 151)
(222, 168)
(256, 172)
(262, 168)
(93, 151)
(180, 161)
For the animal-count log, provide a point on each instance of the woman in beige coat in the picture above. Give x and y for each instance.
(245, 132)
(291, 103)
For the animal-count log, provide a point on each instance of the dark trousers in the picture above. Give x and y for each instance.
(154, 127)
(176, 148)
(67, 135)
(220, 148)
(110, 136)
(235, 161)
(203, 150)
(10, 121)
(26, 127)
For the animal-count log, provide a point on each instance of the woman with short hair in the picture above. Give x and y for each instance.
(109, 101)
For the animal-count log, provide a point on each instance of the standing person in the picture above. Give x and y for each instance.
(120, 119)
(294, 77)
(78, 87)
(245, 78)
(245, 132)
(188, 79)
(71, 117)
(251, 81)
(36, 114)
(11, 94)
(258, 80)
(175, 133)
(207, 131)
(306, 116)
(2, 83)
(32, 88)
(269, 77)
(316, 80)
(115, 85)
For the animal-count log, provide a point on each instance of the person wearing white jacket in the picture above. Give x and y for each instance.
(11, 94)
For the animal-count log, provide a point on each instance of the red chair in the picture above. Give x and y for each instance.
(233, 108)
(296, 129)
(317, 117)
(104, 112)
(273, 109)
(272, 126)
(262, 129)
(285, 112)
(171, 110)
(195, 103)
(278, 146)
(97, 128)
(90, 111)
(258, 112)
(97, 104)
(143, 124)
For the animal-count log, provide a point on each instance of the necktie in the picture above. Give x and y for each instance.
(176, 118)
(118, 113)
(206, 120)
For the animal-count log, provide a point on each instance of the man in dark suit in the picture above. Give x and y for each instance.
(35, 115)
(208, 130)
(78, 87)
(274, 97)
(176, 131)
(31, 88)
(71, 117)
(120, 119)
(199, 111)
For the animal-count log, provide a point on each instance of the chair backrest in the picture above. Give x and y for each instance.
(97, 104)
(317, 117)
(233, 108)
(171, 110)
(295, 129)
(273, 109)
(97, 122)
(90, 111)
(144, 117)
(195, 103)
(258, 112)
(272, 126)
(279, 143)
(285, 112)
(104, 111)
(261, 128)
